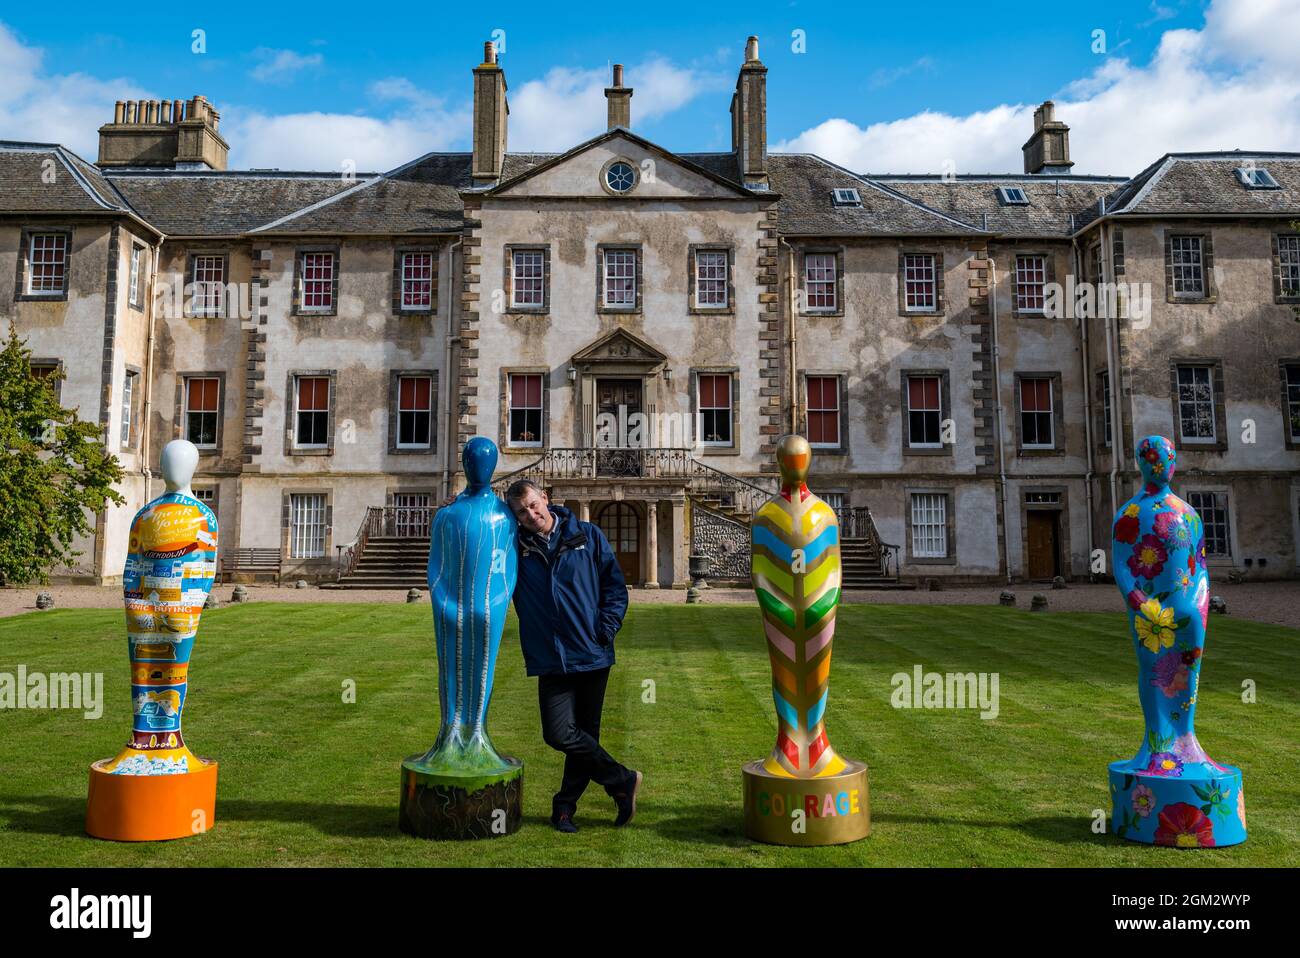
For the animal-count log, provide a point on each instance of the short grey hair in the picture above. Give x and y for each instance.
(516, 490)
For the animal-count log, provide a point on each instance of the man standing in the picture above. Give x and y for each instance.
(570, 599)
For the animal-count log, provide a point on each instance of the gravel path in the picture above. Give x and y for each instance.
(1275, 602)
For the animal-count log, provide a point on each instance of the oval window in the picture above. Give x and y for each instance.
(620, 177)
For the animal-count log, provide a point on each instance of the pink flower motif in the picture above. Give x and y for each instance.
(1170, 674)
(1188, 749)
(1148, 558)
(1144, 800)
(1136, 597)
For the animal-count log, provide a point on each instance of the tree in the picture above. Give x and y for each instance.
(54, 468)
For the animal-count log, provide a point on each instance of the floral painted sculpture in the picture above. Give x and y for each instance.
(1171, 792)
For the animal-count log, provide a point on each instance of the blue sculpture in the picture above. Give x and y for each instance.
(460, 787)
(1171, 792)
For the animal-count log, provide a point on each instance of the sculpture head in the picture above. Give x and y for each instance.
(479, 459)
(794, 455)
(1157, 459)
(180, 458)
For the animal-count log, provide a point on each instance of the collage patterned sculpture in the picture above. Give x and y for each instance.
(156, 788)
(1171, 792)
(804, 792)
(461, 787)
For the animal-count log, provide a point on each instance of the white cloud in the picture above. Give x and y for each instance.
(66, 108)
(326, 141)
(568, 106)
(1231, 84)
(281, 65)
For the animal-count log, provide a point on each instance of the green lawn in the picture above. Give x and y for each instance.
(309, 780)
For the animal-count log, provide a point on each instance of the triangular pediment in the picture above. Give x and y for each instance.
(660, 174)
(619, 346)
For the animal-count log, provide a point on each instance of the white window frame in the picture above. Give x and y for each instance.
(61, 245)
(1220, 503)
(1213, 437)
(929, 525)
(846, 196)
(1256, 178)
(128, 402)
(837, 409)
(185, 410)
(1050, 412)
(915, 268)
(937, 410)
(137, 260)
(821, 272)
(1013, 196)
(413, 283)
(614, 259)
(307, 257)
(730, 408)
(1288, 256)
(511, 407)
(428, 442)
(1031, 278)
(722, 281)
(529, 259)
(297, 398)
(208, 296)
(1187, 260)
(307, 525)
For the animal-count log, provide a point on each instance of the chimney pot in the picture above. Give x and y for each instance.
(119, 111)
(618, 74)
(178, 110)
(751, 50)
(489, 52)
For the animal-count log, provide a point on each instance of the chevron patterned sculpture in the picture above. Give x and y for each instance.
(804, 792)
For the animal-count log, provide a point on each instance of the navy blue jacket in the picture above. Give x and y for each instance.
(570, 599)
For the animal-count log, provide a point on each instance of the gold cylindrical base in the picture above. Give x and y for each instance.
(806, 811)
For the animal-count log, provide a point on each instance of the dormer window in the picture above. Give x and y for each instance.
(1256, 178)
(846, 197)
(1012, 196)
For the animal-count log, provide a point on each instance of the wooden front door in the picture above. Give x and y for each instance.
(1044, 558)
(616, 401)
(622, 527)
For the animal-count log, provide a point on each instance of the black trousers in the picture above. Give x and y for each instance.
(571, 706)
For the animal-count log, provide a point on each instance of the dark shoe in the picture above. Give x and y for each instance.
(563, 822)
(626, 801)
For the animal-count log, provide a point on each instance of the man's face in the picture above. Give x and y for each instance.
(532, 513)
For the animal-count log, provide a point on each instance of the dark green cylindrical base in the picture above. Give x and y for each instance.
(438, 805)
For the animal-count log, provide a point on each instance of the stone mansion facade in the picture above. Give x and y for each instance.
(972, 357)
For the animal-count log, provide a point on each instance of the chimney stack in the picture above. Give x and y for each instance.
(491, 113)
(1048, 150)
(162, 133)
(620, 101)
(749, 119)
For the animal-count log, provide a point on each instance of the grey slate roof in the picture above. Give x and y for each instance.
(423, 196)
(202, 203)
(77, 186)
(1054, 209)
(805, 183)
(1191, 183)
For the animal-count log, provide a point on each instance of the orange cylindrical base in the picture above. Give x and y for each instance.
(151, 808)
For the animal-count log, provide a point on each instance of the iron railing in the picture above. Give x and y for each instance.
(406, 522)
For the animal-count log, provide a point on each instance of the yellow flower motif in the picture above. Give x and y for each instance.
(1132, 510)
(1155, 627)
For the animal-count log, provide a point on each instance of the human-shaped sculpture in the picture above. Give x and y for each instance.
(1170, 792)
(156, 788)
(803, 793)
(461, 787)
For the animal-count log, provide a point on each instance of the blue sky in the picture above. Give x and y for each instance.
(881, 88)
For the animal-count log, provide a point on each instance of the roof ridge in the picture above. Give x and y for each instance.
(364, 184)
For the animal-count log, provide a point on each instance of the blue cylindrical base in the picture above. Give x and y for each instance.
(1203, 808)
